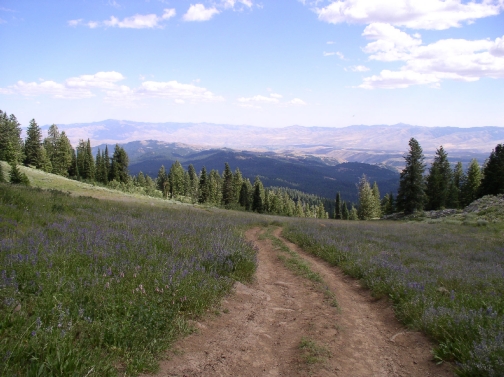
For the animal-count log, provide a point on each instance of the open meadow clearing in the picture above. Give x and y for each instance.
(99, 287)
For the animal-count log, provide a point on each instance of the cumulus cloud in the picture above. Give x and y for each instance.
(447, 59)
(198, 12)
(297, 101)
(357, 68)
(86, 86)
(425, 14)
(273, 99)
(258, 99)
(138, 21)
(231, 3)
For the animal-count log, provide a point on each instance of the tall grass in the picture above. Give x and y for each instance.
(97, 288)
(447, 280)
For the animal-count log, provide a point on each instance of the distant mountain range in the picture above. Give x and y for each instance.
(315, 160)
(379, 144)
(310, 174)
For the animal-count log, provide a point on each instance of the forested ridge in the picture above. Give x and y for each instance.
(441, 186)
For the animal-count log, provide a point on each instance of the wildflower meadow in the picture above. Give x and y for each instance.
(97, 288)
(444, 279)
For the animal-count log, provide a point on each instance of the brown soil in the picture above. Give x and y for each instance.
(261, 326)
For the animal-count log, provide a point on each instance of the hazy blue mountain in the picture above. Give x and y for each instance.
(337, 141)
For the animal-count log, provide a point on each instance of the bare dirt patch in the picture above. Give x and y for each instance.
(283, 325)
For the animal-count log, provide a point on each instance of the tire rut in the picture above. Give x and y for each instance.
(261, 326)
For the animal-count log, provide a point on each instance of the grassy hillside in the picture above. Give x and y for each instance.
(98, 287)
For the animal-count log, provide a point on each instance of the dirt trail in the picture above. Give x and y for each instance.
(262, 325)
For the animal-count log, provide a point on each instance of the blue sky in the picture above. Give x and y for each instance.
(270, 63)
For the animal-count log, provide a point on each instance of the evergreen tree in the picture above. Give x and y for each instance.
(176, 179)
(353, 214)
(203, 188)
(337, 208)
(88, 166)
(11, 144)
(162, 183)
(214, 187)
(119, 165)
(376, 201)
(107, 162)
(51, 141)
(471, 184)
(193, 183)
(258, 197)
(244, 198)
(387, 204)
(438, 181)
(366, 209)
(33, 145)
(18, 177)
(455, 186)
(411, 195)
(344, 211)
(45, 162)
(237, 184)
(140, 181)
(228, 190)
(493, 173)
(73, 170)
(2, 177)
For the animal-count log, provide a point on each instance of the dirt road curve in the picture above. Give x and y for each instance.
(262, 325)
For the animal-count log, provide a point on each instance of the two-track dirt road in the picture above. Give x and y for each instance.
(261, 327)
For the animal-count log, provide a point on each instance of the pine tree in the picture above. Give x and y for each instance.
(471, 184)
(215, 187)
(376, 201)
(162, 183)
(11, 144)
(45, 162)
(366, 209)
(107, 162)
(51, 141)
(337, 207)
(73, 170)
(2, 177)
(193, 183)
(344, 211)
(119, 165)
(438, 181)
(17, 177)
(455, 186)
(88, 165)
(176, 179)
(353, 214)
(411, 195)
(141, 182)
(204, 191)
(228, 190)
(258, 197)
(493, 173)
(33, 145)
(244, 198)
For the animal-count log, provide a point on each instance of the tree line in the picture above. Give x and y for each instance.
(438, 188)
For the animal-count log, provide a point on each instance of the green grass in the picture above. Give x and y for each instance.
(311, 352)
(101, 288)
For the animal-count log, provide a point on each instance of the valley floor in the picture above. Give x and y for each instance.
(283, 325)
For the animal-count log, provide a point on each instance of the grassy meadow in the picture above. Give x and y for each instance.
(444, 279)
(97, 287)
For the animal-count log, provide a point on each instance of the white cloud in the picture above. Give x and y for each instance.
(297, 101)
(138, 21)
(258, 99)
(198, 12)
(276, 95)
(226, 4)
(390, 43)
(176, 90)
(425, 14)
(340, 55)
(85, 86)
(358, 68)
(102, 80)
(447, 59)
(74, 22)
(328, 53)
(330, 42)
